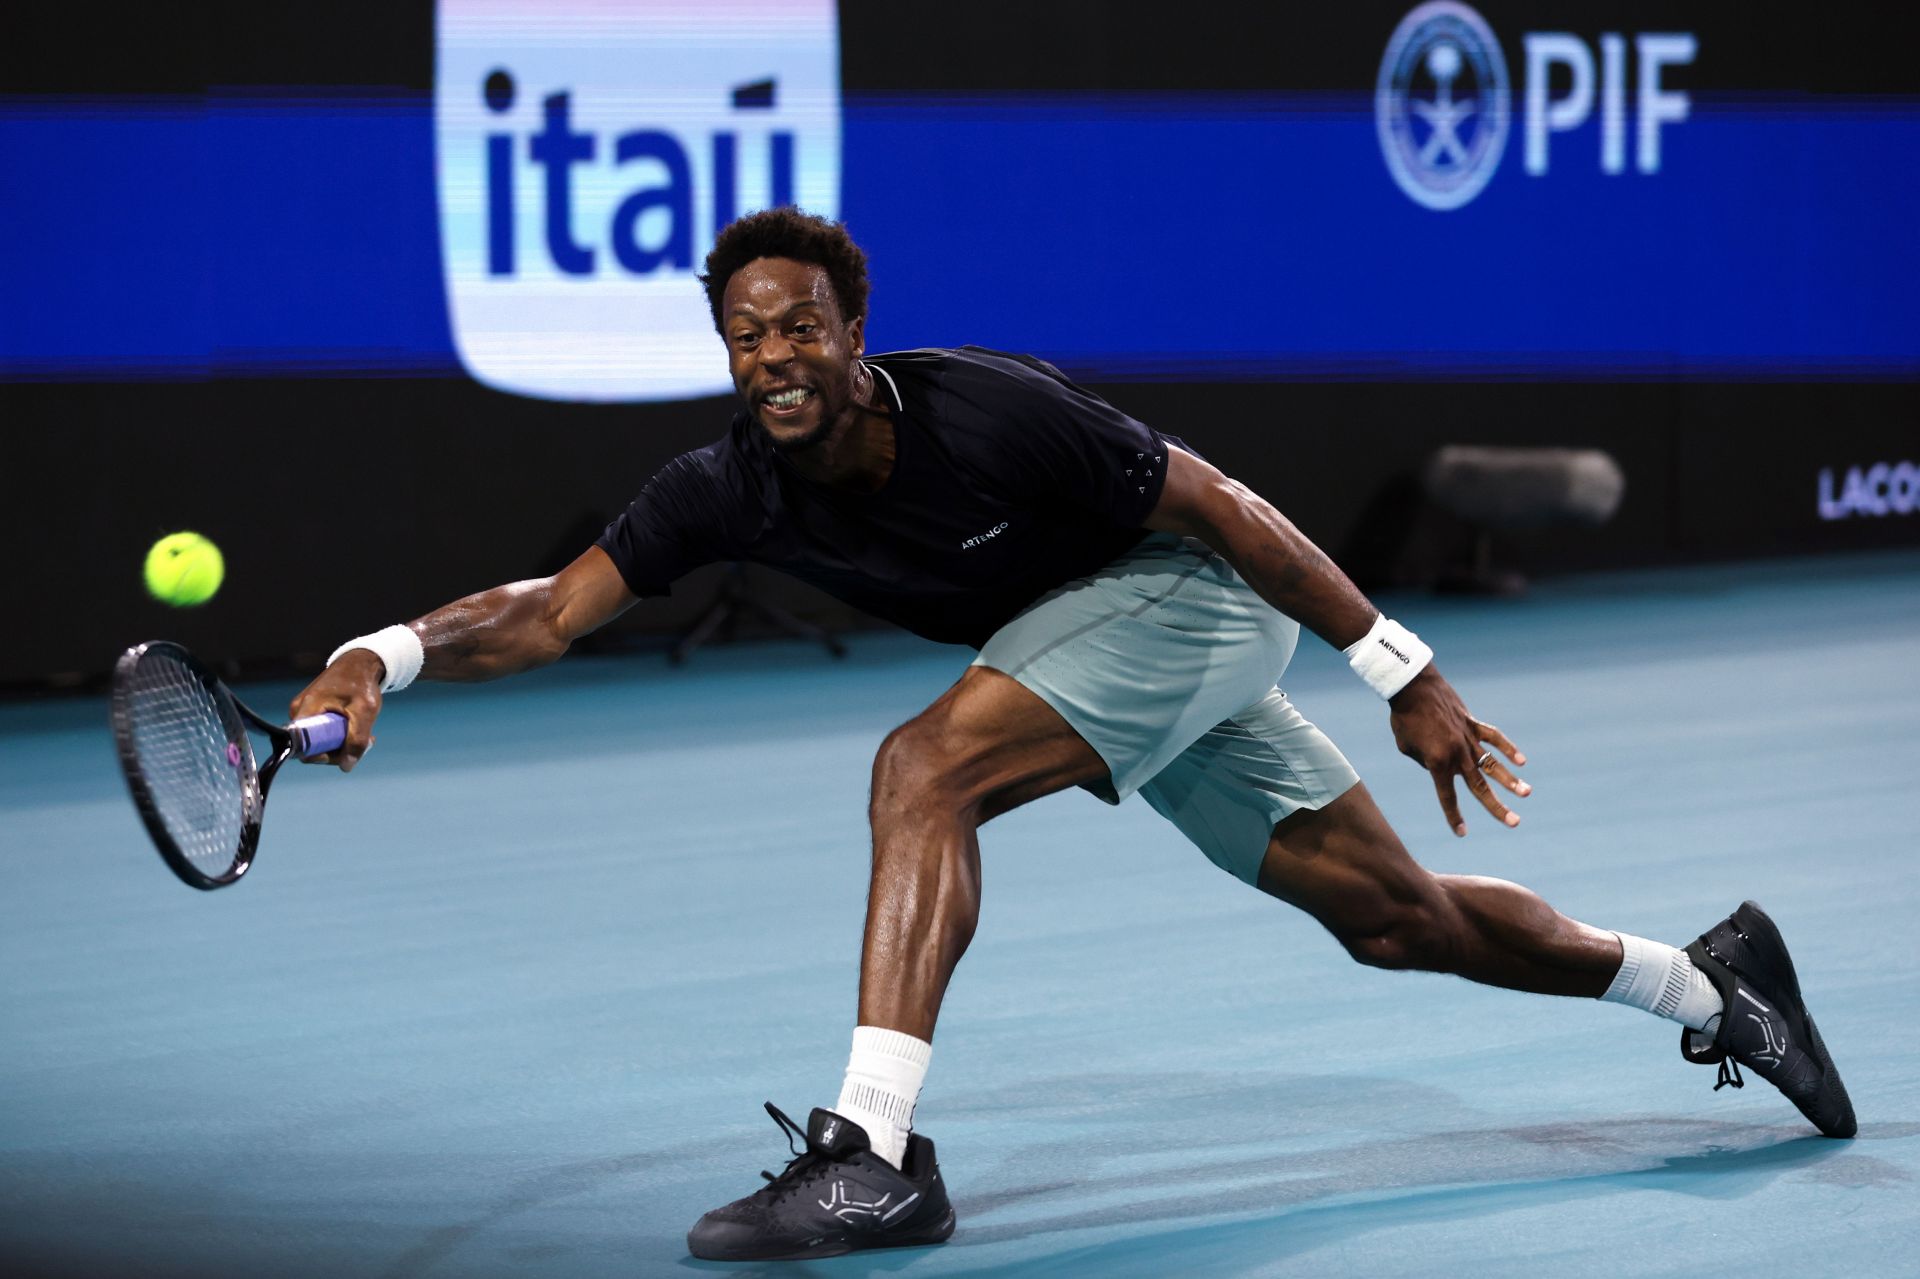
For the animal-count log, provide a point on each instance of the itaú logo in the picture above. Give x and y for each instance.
(588, 153)
(1442, 101)
(1884, 488)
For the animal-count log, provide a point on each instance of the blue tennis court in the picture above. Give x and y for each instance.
(506, 1001)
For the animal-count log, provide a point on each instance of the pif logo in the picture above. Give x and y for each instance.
(1442, 148)
(587, 154)
(1441, 102)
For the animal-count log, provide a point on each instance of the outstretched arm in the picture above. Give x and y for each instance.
(1431, 725)
(504, 631)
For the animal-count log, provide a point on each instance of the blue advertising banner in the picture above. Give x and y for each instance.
(1498, 204)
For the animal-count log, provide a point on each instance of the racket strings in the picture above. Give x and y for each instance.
(195, 757)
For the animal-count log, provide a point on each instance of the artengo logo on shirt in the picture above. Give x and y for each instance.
(987, 536)
(588, 152)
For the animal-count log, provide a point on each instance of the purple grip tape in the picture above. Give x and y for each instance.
(318, 734)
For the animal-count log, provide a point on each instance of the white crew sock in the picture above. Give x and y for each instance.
(1664, 982)
(884, 1075)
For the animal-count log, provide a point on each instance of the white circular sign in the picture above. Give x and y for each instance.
(1441, 104)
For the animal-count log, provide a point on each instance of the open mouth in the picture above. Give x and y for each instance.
(788, 402)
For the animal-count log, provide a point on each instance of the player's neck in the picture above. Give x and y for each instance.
(857, 455)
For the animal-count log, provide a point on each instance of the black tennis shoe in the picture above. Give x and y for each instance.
(835, 1196)
(1765, 1026)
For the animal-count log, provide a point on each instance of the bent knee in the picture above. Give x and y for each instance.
(915, 767)
(908, 757)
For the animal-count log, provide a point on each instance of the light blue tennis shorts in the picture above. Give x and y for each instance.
(1165, 661)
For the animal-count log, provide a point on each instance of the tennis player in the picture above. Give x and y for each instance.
(1133, 609)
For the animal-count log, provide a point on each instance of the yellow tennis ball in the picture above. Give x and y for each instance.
(184, 569)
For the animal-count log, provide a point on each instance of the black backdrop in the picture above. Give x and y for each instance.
(344, 504)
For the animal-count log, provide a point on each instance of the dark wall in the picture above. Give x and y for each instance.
(344, 504)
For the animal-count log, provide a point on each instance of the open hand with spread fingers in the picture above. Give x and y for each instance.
(1432, 727)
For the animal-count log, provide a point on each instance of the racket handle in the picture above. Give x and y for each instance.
(318, 734)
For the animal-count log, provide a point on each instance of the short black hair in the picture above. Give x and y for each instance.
(787, 232)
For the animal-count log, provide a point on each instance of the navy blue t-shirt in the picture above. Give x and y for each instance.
(1008, 480)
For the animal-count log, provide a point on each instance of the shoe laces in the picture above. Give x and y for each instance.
(1729, 1074)
(806, 1157)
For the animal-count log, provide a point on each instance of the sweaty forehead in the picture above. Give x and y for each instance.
(772, 286)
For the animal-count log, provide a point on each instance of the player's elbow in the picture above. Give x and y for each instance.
(549, 646)
(549, 637)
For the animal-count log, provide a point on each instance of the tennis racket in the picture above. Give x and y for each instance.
(189, 761)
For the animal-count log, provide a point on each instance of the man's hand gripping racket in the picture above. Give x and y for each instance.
(350, 687)
(187, 753)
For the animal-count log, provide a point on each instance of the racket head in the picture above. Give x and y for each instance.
(183, 746)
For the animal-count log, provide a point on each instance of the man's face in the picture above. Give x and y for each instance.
(791, 352)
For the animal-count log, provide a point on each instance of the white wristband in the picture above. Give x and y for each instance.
(398, 647)
(1388, 656)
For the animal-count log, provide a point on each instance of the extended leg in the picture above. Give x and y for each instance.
(864, 1179)
(986, 746)
(1343, 865)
